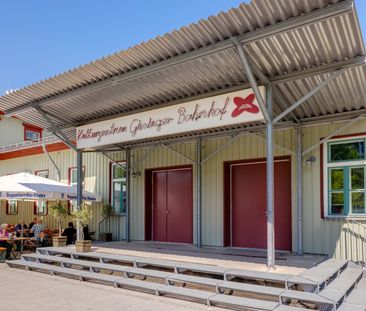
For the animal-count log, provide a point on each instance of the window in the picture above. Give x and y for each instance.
(32, 132)
(43, 173)
(344, 169)
(73, 178)
(12, 207)
(118, 188)
(41, 207)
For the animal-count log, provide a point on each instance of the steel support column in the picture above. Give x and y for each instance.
(79, 189)
(199, 192)
(270, 183)
(128, 185)
(299, 191)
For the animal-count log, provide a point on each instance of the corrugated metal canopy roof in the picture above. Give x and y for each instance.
(288, 40)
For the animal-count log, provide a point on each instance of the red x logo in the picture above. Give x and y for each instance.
(244, 104)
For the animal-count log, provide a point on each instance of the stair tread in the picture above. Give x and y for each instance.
(149, 272)
(258, 275)
(267, 290)
(346, 279)
(78, 262)
(235, 301)
(186, 292)
(67, 271)
(96, 255)
(305, 296)
(194, 279)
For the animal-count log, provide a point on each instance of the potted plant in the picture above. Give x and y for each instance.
(107, 213)
(59, 212)
(82, 217)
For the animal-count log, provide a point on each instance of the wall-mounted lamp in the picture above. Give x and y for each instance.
(135, 174)
(310, 160)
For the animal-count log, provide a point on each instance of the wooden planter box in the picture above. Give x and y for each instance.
(83, 246)
(59, 241)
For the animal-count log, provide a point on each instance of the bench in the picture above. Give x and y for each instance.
(249, 288)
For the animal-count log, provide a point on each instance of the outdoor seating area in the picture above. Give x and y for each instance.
(21, 238)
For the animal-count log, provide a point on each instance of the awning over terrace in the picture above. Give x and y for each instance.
(295, 44)
(309, 55)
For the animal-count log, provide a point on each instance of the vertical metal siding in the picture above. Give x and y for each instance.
(12, 131)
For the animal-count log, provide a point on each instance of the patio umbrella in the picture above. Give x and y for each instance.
(28, 186)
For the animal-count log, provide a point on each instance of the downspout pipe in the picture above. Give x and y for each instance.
(52, 161)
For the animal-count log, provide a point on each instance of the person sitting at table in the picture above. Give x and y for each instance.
(18, 228)
(37, 229)
(4, 233)
(70, 234)
(34, 221)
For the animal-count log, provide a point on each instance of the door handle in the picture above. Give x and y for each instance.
(166, 212)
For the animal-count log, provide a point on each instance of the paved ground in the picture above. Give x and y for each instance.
(42, 292)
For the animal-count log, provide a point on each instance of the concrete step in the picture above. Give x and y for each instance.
(55, 270)
(249, 288)
(305, 297)
(131, 272)
(340, 287)
(349, 307)
(258, 275)
(66, 262)
(316, 278)
(189, 279)
(242, 302)
(186, 293)
(102, 257)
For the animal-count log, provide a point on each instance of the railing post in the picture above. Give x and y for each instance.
(128, 183)
(79, 190)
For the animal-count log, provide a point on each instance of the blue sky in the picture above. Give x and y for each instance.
(41, 38)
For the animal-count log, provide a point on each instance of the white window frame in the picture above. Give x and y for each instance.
(36, 133)
(112, 181)
(326, 166)
(12, 207)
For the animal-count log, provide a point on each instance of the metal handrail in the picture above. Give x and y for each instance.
(28, 143)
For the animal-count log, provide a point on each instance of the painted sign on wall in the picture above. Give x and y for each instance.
(217, 111)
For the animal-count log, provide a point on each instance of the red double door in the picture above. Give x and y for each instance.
(172, 206)
(248, 204)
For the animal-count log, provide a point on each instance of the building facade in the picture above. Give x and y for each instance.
(327, 228)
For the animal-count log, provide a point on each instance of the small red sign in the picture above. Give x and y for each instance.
(244, 104)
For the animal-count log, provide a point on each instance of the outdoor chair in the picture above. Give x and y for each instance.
(2, 254)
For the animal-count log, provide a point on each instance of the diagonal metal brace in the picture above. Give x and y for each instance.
(56, 130)
(308, 95)
(179, 153)
(252, 81)
(114, 161)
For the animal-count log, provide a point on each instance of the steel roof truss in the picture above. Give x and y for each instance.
(55, 129)
(308, 95)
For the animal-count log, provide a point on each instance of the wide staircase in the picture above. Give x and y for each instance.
(332, 285)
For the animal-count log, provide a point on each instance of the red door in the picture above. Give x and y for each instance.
(248, 205)
(172, 205)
